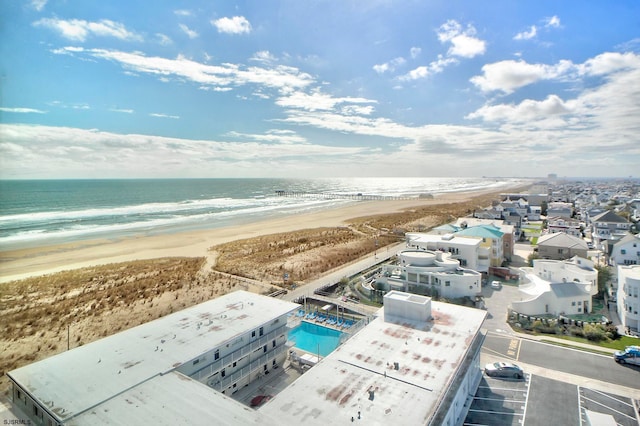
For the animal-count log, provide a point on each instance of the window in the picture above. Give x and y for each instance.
(573, 303)
(447, 283)
(253, 333)
(196, 361)
(273, 344)
(234, 363)
(623, 251)
(261, 331)
(216, 355)
(264, 348)
(579, 303)
(223, 373)
(560, 251)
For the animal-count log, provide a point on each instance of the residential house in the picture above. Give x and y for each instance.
(555, 287)
(491, 247)
(428, 273)
(628, 303)
(561, 246)
(465, 250)
(557, 208)
(607, 228)
(626, 251)
(569, 226)
(508, 239)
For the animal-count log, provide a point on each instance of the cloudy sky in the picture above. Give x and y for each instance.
(123, 89)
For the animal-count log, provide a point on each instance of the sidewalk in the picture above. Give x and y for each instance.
(563, 342)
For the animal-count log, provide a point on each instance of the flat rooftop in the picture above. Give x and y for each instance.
(360, 379)
(77, 380)
(432, 238)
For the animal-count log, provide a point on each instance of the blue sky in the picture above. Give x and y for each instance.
(125, 89)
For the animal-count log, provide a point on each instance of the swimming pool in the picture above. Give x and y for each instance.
(315, 339)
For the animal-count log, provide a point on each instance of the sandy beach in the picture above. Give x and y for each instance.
(20, 264)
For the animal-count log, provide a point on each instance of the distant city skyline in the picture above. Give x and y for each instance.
(319, 89)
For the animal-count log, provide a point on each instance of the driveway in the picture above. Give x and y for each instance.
(497, 304)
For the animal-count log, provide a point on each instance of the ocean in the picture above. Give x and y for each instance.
(37, 213)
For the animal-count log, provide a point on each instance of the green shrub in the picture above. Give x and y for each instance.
(577, 331)
(595, 333)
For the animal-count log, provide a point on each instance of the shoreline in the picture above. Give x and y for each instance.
(24, 263)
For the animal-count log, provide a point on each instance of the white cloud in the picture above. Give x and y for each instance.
(182, 12)
(22, 110)
(38, 5)
(552, 22)
(164, 39)
(263, 56)
(125, 111)
(317, 101)
(73, 152)
(390, 66)
(527, 35)
(280, 77)
(155, 114)
(463, 41)
(415, 52)
(274, 135)
(509, 75)
(434, 67)
(235, 25)
(527, 110)
(609, 62)
(189, 32)
(79, 30)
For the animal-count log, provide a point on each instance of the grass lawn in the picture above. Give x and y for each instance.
(619, 344)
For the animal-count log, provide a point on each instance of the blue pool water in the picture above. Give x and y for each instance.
(315, 339)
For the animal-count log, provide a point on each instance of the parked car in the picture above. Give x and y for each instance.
(504, 369)
(630, 355)
(497, 285)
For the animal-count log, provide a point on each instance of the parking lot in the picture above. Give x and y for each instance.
(499, 401)
(620, 408)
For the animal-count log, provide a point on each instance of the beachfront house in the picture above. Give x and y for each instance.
(429, 273)
(553, 287)
(491, 249)
(464, 250)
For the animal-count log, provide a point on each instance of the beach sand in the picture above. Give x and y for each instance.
(20, 264)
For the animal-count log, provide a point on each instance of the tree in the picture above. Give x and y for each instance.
(533, 256)
(604, 276)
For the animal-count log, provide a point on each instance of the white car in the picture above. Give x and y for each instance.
(497, 285)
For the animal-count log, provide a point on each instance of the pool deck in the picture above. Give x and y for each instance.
(330, 321)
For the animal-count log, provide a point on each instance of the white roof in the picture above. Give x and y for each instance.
(360, 375)
(169, 400)
(74, 381)
(433, 238)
